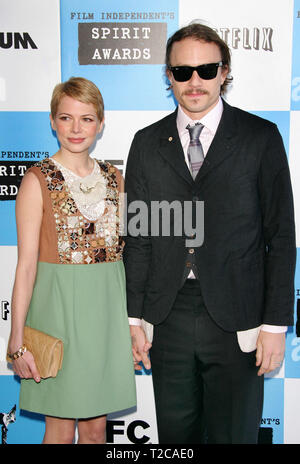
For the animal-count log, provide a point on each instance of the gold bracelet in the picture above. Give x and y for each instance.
(17, 354)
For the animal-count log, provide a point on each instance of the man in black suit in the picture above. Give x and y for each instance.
(220, 306)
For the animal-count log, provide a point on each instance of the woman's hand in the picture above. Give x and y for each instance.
(25, 367)
(140, 347)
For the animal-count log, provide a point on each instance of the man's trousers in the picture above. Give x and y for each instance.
(206, 389)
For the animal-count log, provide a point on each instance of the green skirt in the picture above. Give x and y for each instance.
(85, 306)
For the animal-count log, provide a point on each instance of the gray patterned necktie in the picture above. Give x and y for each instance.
(195, 150)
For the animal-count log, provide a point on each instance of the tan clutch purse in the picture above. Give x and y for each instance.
(47, 351)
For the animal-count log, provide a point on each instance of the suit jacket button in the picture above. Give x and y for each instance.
(191, 251)
(195, 198)
(188, 264)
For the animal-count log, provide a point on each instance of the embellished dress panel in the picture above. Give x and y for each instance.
(80, 239)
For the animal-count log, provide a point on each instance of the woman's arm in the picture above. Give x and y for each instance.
(29, 211)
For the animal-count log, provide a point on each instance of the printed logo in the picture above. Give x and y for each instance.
(5, 420)
(117, 427)
(121, 43)
(4, 310)
(16, 40)
(246, 38)
(11, 175)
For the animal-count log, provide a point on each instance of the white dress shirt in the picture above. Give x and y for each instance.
(246, 338)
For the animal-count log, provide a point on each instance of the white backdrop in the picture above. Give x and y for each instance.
(42, 43)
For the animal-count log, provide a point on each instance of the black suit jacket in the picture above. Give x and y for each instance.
(246, 263)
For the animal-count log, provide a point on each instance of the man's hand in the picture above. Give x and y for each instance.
(140, 347)
(270, 351)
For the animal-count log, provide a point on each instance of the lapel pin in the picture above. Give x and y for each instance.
(170, 139)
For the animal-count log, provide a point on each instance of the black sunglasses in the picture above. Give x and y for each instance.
(205, 71)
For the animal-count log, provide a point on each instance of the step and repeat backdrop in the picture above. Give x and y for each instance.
(120, 46)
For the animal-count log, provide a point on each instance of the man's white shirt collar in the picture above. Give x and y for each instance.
(210, 121)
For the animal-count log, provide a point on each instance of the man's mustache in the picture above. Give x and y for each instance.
(195, 91)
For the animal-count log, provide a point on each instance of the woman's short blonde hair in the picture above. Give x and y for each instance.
(80, 89)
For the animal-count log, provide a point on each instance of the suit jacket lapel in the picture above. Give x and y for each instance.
(171, 148)
(222, 146)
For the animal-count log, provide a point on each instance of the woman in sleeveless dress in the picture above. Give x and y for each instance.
(70, 278)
